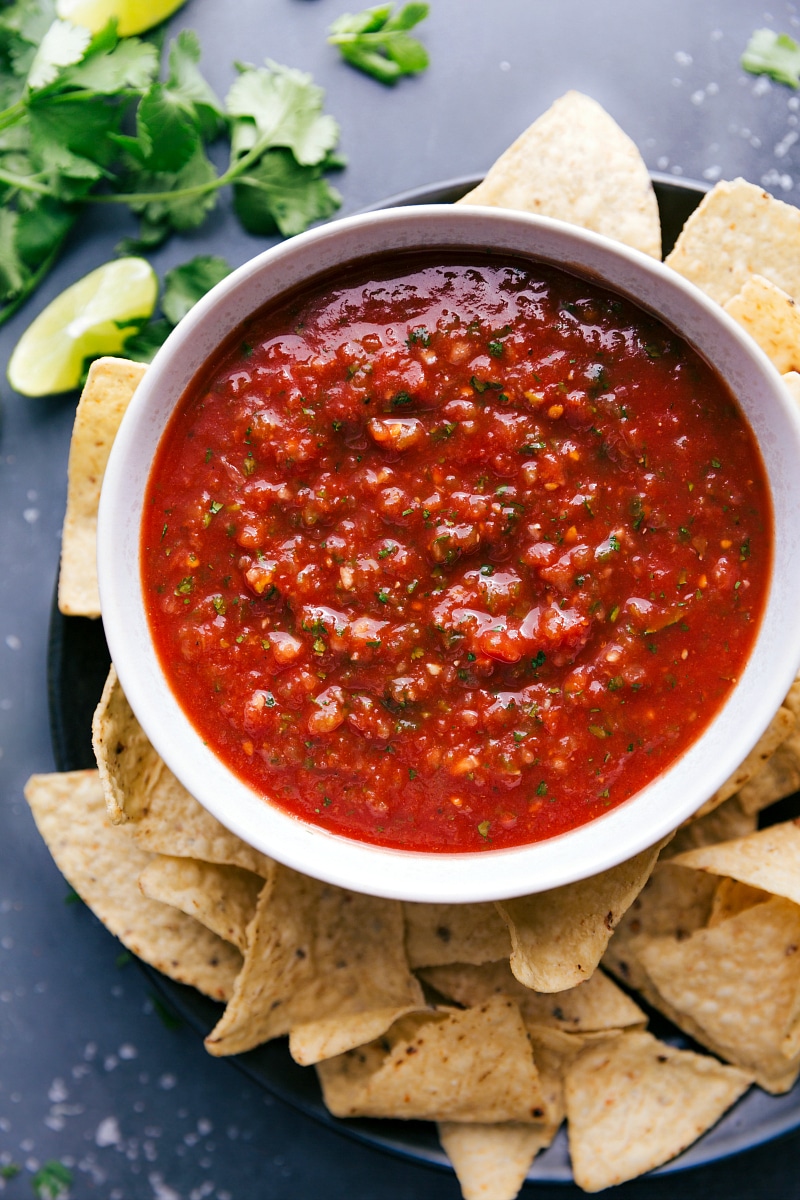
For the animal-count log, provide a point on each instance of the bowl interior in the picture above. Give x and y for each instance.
(488, 875)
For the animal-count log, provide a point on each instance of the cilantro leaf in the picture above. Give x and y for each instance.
(281, 194)
(51, 1181)
(62, 45)
(167, 126)
(377, 42)
(108, 68)
(186, 81)
(773, 54)
(179, 199)
(185, 285)
(285, 107)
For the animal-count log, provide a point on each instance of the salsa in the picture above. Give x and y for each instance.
(454, 555)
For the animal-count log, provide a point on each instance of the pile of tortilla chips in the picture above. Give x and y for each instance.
(498, 1021)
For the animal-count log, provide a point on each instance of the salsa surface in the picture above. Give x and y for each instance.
(454, 556)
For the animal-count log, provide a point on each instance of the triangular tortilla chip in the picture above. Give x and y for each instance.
(597, 1003)
(780, 727)
(576, 164)
(221, 898)
(780, 777)
(142, 793)
(492, 1161)
(737, 231)
(475, 1065)
(109, 387)
(728, 820)
(732, 897)
(558, 937)
(103, 866)
(317, 954)
(674, 902)
(736, 988)
(454, 933)
(768, 859)
(771, 318)
(634, 1102)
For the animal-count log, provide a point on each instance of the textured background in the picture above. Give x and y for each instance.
(89, 1074)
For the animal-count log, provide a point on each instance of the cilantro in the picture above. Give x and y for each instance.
(496, 349)
(541, 789)
(166, 1015)
(85, 119)
(51, 1181)
(185, 587)
(377, 41)
(483, 829)
(773, 54)
(418, 337)
(10, 1170)
(608, 547)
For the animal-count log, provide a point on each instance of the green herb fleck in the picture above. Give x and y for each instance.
(418, 337)
(166, 1015)
(483, 829)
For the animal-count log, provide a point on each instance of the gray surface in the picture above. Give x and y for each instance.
(88, 1072)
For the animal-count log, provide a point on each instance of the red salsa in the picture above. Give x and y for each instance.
(454, 556)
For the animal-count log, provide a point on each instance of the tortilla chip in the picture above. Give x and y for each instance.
(779, 778)
(778, 730)
(102, 866)
(634, 1102)
(314, 1041)
(473, 1066)
(221, 898)
(597, 1003)
(737, 231)
(771, 318)
(558, 937)
(768, 859)
(727, 821)
(674, 903)
(492, 1161)
(576, 164)
(732, 898)
(735, 988)
(142, 792)
(454, 933)
(317, 954)
(109, 386)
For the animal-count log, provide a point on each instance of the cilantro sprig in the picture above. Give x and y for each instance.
(86, 120)
(377, 41)
(183, 287)
(773, 54)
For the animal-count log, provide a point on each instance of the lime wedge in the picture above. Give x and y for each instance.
(91, 318)
(133, 16)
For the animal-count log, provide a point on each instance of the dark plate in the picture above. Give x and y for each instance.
(78, 662)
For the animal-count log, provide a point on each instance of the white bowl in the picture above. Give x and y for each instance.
(487, 875)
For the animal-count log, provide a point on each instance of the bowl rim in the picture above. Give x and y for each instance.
(454, 877)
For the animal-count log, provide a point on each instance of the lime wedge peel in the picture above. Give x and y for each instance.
(93, 317)
(133, 16)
